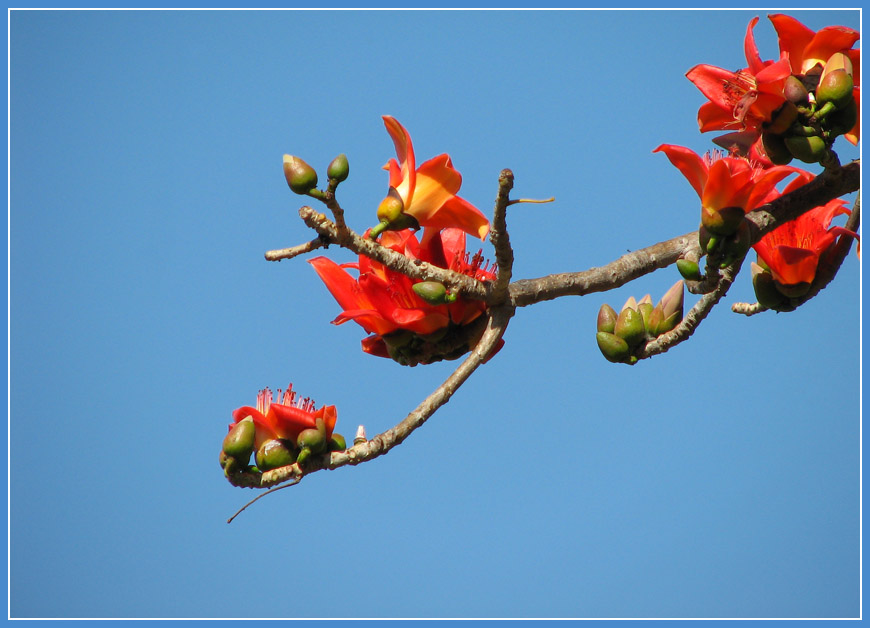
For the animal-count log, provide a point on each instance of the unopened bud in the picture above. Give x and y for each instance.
(795, 91)
(337, 443)
(689, 269)
(239, 442)
(312, 439)
(809, 150)
(836, 87)
(431, 292)
(606, 319)
(612, 347)
(775, 148)
(275, 453)
(338, 168)
(629, 327)
(645, 307)
(300, 176)
(843, 119)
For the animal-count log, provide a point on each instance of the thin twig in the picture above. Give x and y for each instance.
(504, 254)
(748, 309)
(694, 317)
(382, 443)
(278, 254)
(293, 482)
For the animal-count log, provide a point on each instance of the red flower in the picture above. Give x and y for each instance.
(285, 418)
(725, 182)
(428, 193)
(384, 302)
(745, 99)
(808, 51)
(792, 251)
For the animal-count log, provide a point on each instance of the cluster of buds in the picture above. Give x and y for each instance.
(619, 336)
(820, 106)
(285, 432)
(302, 178)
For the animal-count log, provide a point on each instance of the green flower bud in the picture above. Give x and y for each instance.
(629, 327)
(645, 308)
(836, 87)
(431, 292)
(808, 149)
(723, 221)
(782, 119)
(300, 176)
(689, 269)
(776, 149)
(391, 207)
(312, 439)
(239, 442)
(275, 453)
(338, 168)
(613, 348)
(337, 443)
(765, 289)
(606, 319)
(842, 120)
(795, 91)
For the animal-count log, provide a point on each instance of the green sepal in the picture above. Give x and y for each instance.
(808, 149)
(431, 292)
(275, 453)
(337, 443)
(629, 327)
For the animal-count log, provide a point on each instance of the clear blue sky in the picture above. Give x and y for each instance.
(718, 480)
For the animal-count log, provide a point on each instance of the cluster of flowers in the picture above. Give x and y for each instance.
(279, 433)
(792, 107)
(619, 335)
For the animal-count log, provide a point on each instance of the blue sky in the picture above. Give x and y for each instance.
(718, 480)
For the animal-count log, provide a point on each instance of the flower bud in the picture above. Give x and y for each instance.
(431, 292)
(613, 348)
(765, 290)
(300, 176)
(836, 87)
(239, 443)
(275, 453)
(629, 327)
(776, 149)
(337, 443)
(645, 307)
(837, 61)
(338, 168)
(723, 221)
(808, 149)
(606, 319)
(313, 440)
(689, 269)
(782, 118)
(843, 119)
(795, 91)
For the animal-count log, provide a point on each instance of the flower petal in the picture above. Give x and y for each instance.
(405, 153)
(689, 163)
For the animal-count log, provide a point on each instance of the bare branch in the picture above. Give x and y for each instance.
(504, 254)
(278, 254)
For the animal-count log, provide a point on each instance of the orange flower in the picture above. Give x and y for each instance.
(386, 303)
(745, 99)
(723, 183)
(792, 251)
(285, 418)
(428, 193)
